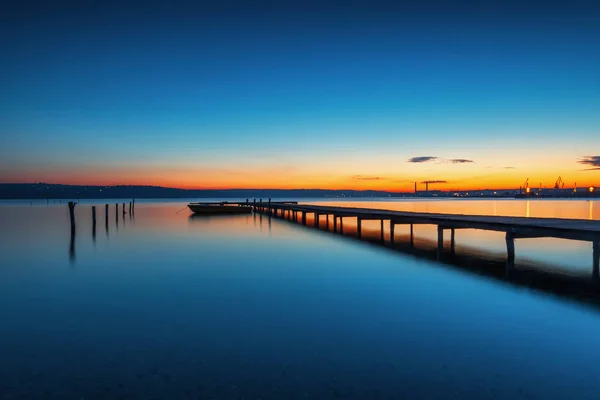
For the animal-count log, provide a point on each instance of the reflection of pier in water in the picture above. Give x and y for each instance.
(538, 276)
(535, 275)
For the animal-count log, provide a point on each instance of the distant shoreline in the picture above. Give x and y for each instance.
(51, 192)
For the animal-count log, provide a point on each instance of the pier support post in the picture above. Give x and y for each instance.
(452, 241)
(412, 237)
(341, 225)
(303, 217)
(327, 221)
(334, 223)
(317, 220)
(133, 206)
(106, 216)
(392, 232)
(130, 207)
(510, 251)
(72, 216)
(123, 208)
(381, 228)
(440, 246)
(358, 227)
(117, 213)
(596, 257)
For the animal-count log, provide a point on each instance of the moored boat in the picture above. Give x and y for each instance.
(219, 208)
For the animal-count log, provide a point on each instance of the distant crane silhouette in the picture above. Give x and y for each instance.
(559, 184)
(525, 187)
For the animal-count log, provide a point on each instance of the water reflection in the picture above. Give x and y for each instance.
(160, 311)
(72, 247)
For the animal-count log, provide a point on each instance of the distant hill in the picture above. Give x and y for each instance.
(55, 191)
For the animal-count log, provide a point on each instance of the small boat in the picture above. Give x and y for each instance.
(219, 208)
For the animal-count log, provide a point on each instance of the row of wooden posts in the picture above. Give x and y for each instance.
(72, 205)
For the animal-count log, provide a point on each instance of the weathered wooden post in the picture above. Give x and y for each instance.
(452, 241)
(254, 206)
(341, 225)
(130, 207)
(303, 217)
(382, 232)
(358, 227)
(335, 223)
(412, 241)
(392, 232)
(596, 257)
(123, 208)
(94, 222)
(316, 220)
(327, 221)
(117, 213)
(133, 205)
(72, 216)
(270, 209)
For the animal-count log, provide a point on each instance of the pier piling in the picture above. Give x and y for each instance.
(94, 222)
(358, 227)
(382, 239)
(440, 246)
(596, 256)
(392, 232)
(510, 250)
(72, 216)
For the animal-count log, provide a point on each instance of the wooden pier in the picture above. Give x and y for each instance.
(513, 227)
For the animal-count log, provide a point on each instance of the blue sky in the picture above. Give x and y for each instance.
(96, 85)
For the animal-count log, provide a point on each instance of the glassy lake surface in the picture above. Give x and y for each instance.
(167, 306)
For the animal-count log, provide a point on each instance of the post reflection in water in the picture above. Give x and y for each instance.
(591, 209)
(527, 209)
(72, 247)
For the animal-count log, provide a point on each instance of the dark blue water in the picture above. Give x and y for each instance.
(164, 306)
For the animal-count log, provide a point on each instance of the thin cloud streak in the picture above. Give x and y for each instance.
(593, 161)
(422, 159)
(365, 178)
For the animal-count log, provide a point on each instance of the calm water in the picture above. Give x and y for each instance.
(167, 306)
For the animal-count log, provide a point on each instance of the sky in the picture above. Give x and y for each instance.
(470, 95)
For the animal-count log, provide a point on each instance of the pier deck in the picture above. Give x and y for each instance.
(514, 227)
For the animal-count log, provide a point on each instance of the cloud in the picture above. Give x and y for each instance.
(591, 169)
(422, 159)
(460, 161)
(593, 161)
(435, 181)
(365, 178)
(510, 168)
